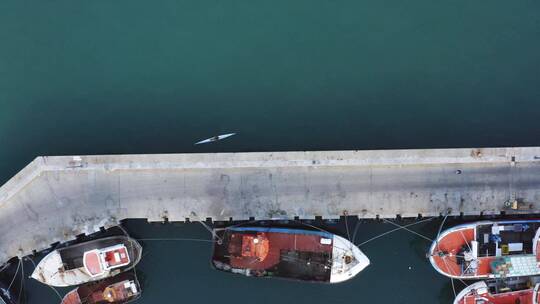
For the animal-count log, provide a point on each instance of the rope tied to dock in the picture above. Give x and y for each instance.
(394, 230)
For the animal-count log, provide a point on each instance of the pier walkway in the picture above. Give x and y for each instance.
(55, 199)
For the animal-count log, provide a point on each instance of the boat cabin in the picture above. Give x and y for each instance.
(505, 239)
(118, 292)
(249, 248)
(98, 261)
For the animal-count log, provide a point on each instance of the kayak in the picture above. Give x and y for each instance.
(215, 138)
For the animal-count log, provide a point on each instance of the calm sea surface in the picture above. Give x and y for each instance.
(116, 76)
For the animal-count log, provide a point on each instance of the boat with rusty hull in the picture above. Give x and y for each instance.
(522, 290)
(89, 261)
(488, 250)
(298, 254)
(120, 289)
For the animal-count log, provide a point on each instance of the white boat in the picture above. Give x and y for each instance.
(215, 138)
(90, 261)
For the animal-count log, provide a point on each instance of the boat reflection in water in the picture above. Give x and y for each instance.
(298, 254)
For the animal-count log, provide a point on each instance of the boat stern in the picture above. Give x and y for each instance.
(348, 260)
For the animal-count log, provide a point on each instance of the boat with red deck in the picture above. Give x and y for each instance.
(88, 261)
(119, 289)
(298, 254)
(512, 291)
(488, 249)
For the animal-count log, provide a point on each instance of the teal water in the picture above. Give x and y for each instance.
(96, 77)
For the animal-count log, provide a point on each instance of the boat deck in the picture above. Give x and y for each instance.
(290, 255)
(486, 246)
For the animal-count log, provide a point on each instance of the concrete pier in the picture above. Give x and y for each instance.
(56, 198)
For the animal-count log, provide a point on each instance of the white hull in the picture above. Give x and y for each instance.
(342, 271)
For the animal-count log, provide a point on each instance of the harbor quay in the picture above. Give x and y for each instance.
(56, 198)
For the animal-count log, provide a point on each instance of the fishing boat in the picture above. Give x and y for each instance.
(516, 290)
(120, 289)
(215, 138)
(88, 261)
(488, 249)
(315, 256)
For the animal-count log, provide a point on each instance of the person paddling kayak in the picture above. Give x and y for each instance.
(215, 138)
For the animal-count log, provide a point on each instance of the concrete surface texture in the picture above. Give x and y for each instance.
(54, 199)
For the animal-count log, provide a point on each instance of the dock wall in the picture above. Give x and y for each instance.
(54, 199)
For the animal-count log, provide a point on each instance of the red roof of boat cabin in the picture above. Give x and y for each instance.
(118, 256)
(92, 262)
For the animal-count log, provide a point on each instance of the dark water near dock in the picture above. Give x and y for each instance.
(98, 77)
(174, 271)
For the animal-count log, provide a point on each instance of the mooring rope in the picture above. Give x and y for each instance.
(440, 228)
(6, 265)
(453, 287)
(347, 228)
(22, 282)
(407, 229)
(214, 235)
(393, 230)
(15, 275)
(355, 231)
